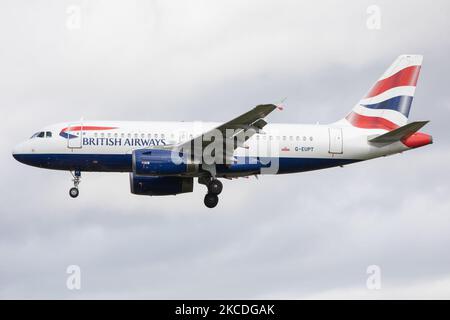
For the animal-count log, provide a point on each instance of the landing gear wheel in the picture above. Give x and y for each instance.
(73, 192)
(215, 186)
(211, 200)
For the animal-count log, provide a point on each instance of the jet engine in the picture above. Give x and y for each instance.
(160, 186)
(156, 162)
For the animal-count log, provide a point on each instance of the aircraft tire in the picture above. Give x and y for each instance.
(211, 200)
(73, 192)
(215, 186)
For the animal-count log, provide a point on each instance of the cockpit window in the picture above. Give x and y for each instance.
(42, 134)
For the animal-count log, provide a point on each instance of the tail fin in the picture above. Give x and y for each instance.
(387, 104)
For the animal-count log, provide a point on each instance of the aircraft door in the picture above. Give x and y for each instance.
(336, 140)
(74, 135)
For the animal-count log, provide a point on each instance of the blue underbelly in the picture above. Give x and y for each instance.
(81, 162)
(123, 163)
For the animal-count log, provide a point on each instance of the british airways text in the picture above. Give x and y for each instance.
(136, 142)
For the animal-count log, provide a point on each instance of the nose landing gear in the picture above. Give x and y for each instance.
(74, 192)
(215, 187)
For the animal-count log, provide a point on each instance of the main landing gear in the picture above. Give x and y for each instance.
(214, 189)
(73, 192)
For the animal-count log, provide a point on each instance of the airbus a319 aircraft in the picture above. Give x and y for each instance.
(164, 158)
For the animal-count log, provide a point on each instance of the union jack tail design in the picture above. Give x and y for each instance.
(388, 102)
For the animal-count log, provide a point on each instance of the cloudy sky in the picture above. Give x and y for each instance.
(309, 235)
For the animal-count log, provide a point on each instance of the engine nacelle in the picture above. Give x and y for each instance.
(156, 162)
(160, 186)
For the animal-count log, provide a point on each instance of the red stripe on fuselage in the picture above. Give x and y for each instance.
(405, 77)
(86, 128)
(366, 122)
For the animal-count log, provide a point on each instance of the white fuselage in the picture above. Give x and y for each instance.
(107, 145)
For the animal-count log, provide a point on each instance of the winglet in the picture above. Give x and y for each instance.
(280, 105)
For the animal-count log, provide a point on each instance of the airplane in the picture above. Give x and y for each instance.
(164, 158)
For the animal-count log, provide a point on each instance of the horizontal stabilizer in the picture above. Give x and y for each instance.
(400, 133)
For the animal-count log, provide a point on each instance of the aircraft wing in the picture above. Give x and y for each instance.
(233, 133)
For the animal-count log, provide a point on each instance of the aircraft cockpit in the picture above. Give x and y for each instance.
(42, 134)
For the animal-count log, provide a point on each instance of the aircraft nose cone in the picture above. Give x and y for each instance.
(15, 152)
(18, 151)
